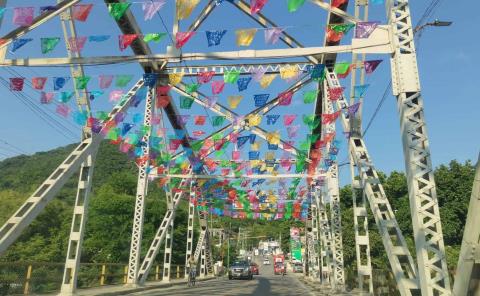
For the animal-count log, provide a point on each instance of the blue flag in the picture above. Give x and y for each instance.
(242, 83)
(17, 43)
(214, 37)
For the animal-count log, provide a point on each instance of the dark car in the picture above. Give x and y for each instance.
(254, 268)
(240, 270)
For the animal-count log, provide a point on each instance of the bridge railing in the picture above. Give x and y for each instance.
(24, 278)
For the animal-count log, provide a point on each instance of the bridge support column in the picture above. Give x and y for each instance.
(142, 185)
(424, 206)
(190, 232)
(167, 258)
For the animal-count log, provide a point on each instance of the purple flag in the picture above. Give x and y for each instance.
(353, 108)
(183, 119)
(272, 35)
(364, 29)
(370, 66)
(258, 73)
(292, 131)
(151, 8)
(105, 81)
(211, 101)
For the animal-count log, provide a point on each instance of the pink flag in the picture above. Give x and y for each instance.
(115, 95)
(23, 16)
(217, 86)
(258, 73)
(285, 98)
(105, 81)
(205, 77)
(76, 44)
(80, 12)
(288, 119)
(39, 82)
(46, 98)
(236, 155)
(124, 41)
(182, 37)
(151, 8)
(257, 5)
(63, 110)
(272, 35)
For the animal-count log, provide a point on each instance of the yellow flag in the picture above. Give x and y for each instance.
(255, 146)
(233, 101)
(287, 72)
(254, 119)
(273, 138)
(175, 78)
(270, 155)
(254, 163)
(267, 80)
(185, 8)
(245, 37)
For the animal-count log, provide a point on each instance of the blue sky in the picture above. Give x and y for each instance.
(446, 63)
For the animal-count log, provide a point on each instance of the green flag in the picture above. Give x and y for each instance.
(48, 44)
(341, 68)
(122, 80)
(293, 5)
(311, 121)
(186, 102)
(155, 37)
(191, 88)
(197, 145)
(117, 10)
(341, 28)
(218, 120)
(231, 76)
(81, 82)
(310, 96)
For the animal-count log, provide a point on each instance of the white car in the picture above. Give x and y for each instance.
(266, 262)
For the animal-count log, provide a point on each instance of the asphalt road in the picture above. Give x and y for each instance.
(264, 284)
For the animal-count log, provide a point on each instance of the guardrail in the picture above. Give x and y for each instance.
(24, 278)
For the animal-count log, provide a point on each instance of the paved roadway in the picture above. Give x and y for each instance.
(262, 285)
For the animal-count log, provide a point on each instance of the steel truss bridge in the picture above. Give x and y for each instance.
(425, 275)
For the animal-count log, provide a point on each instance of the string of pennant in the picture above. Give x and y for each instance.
(24, 16)
(244, 37)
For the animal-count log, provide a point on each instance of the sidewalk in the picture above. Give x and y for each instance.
(122, 290)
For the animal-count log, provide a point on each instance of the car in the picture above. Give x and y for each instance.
(298, 267)
(279, 268)
(266, 261)
(240, 270)
(254, 268)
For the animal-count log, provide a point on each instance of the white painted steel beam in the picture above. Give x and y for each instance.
(374, 47)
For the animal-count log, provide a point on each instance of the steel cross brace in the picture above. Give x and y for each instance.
(325, 239)
(396, 248)
(159, 237)
(52, 185)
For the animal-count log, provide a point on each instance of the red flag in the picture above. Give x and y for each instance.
(205, 77)
(124, 41)
(338, 3)
(285, 98)
(333, 36)
(257, 5)
(182, 37)
(80, 12)
(329, 118)
(16, 84)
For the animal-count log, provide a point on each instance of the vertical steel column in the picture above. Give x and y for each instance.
(203, 269)
(142, 185)
(167, 258)
(427, 227)
(191, 222)
(334, 199)
(325, 239)
(77, 231)
(468, 267)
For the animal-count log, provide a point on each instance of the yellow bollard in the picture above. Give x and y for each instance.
(157, 273)
(102, 275)
(125, 274)
(26, 289)
(178, 271)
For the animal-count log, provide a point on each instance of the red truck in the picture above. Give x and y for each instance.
(279, 264)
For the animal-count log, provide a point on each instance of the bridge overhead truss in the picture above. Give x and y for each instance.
(427, 275)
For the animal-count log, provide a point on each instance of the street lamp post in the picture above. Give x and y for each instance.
(435, 23)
